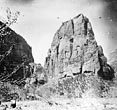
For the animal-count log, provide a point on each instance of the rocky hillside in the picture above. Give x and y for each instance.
(76, 60)
(15, 56)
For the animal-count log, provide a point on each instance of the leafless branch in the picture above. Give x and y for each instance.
(6, 53)
(14, 71)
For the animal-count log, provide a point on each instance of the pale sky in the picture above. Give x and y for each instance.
(40, 19)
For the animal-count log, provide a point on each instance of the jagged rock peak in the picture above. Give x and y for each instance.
(74, 51)
(76, 26)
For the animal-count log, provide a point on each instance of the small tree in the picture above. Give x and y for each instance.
(11, 18)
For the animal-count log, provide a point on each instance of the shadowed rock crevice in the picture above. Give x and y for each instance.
(107, 73)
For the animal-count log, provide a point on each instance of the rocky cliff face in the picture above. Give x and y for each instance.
(113, 60)
(15, 55)
(74, 51)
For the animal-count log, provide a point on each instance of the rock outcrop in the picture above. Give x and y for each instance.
(38, 77)
(74, 51)
(15, 56)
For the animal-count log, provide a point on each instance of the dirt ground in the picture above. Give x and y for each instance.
(67, 104)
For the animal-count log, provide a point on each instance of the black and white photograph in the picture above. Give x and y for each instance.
(58, 54)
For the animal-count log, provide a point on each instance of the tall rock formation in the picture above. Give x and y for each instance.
(74, 51)
(15, 55)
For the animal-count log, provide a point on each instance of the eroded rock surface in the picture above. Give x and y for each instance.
(74, 51)
(113, 60)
